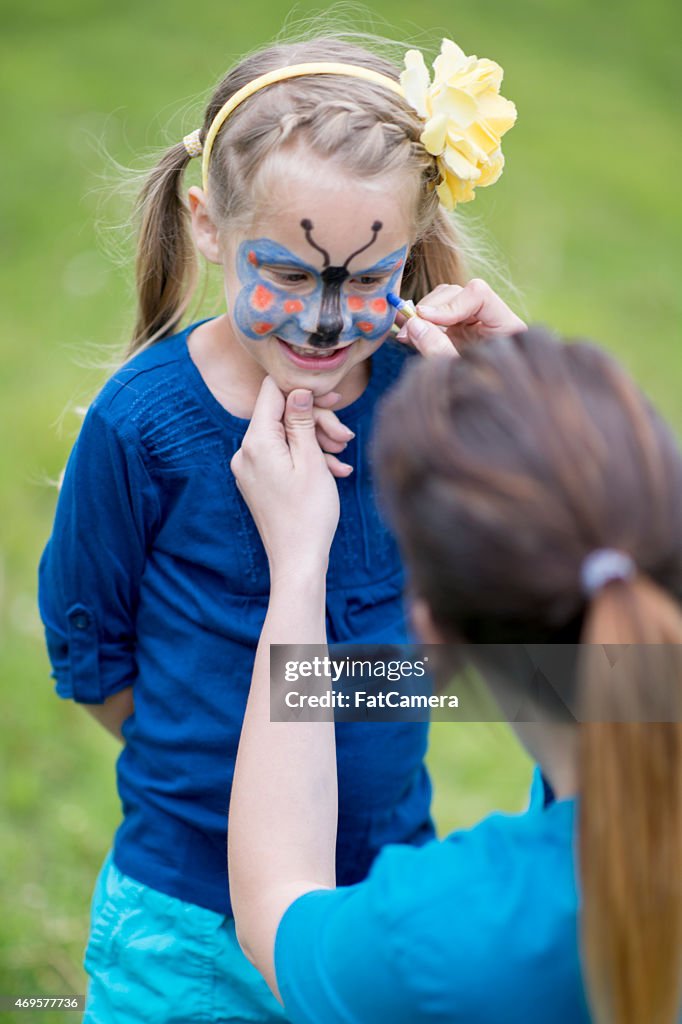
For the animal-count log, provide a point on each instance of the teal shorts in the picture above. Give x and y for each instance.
(153, 958)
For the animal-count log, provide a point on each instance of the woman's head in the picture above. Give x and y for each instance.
(514, 463)
(319, 167)
(502, 472)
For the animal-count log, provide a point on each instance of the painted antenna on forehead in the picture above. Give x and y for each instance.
(376, 228)
(307, 226)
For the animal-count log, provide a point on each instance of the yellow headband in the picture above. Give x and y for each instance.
(279, 75)
(463, 112)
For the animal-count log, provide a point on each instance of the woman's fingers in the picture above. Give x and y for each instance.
(474, 304)
(338, 468)
(265, 438)
(300, 421)
(434, 295)
(328, 444)
(428, 339)
(452, 315)
(286, 480)
(332, 434)
(268, 411)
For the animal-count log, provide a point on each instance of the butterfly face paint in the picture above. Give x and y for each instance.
(304, 305)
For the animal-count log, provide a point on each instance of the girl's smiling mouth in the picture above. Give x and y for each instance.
(314, 359)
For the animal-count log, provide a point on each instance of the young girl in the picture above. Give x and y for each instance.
(537, 497)
(321, 190)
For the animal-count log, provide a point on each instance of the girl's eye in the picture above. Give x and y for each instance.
(290, 277)
(367, 281)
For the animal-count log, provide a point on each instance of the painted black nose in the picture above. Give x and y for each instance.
(330, 321)
(325, 338)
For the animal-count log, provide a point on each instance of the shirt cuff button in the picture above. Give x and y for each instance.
(80, 620)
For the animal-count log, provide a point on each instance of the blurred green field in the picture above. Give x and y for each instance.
(587, 218)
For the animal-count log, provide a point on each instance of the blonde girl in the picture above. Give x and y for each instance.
(319, 196)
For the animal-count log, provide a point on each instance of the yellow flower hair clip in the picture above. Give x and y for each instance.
(465, 118)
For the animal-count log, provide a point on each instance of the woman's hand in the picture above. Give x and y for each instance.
(451, 316)
(331, 433)
(288, 482)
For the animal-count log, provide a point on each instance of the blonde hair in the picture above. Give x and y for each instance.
(366, 129)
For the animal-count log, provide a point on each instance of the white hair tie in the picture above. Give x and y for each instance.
(603, 566)
(193, 143)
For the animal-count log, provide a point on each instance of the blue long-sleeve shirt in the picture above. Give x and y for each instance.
(155, 577)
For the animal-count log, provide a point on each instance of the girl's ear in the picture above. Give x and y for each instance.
(203, 229)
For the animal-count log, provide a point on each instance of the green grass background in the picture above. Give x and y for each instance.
(587, 217)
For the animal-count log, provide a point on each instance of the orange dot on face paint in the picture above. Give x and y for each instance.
(262, 298)
(355, 303)
(252, 258)
(365, 326)
(293, 306)
(379, 305)
(262, 328)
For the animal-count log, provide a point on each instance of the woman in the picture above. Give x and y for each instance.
(537, 497)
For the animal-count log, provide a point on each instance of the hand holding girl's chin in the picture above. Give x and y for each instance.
(287, 481)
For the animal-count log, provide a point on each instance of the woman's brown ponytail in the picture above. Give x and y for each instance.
(631, 805)
(166, 265)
